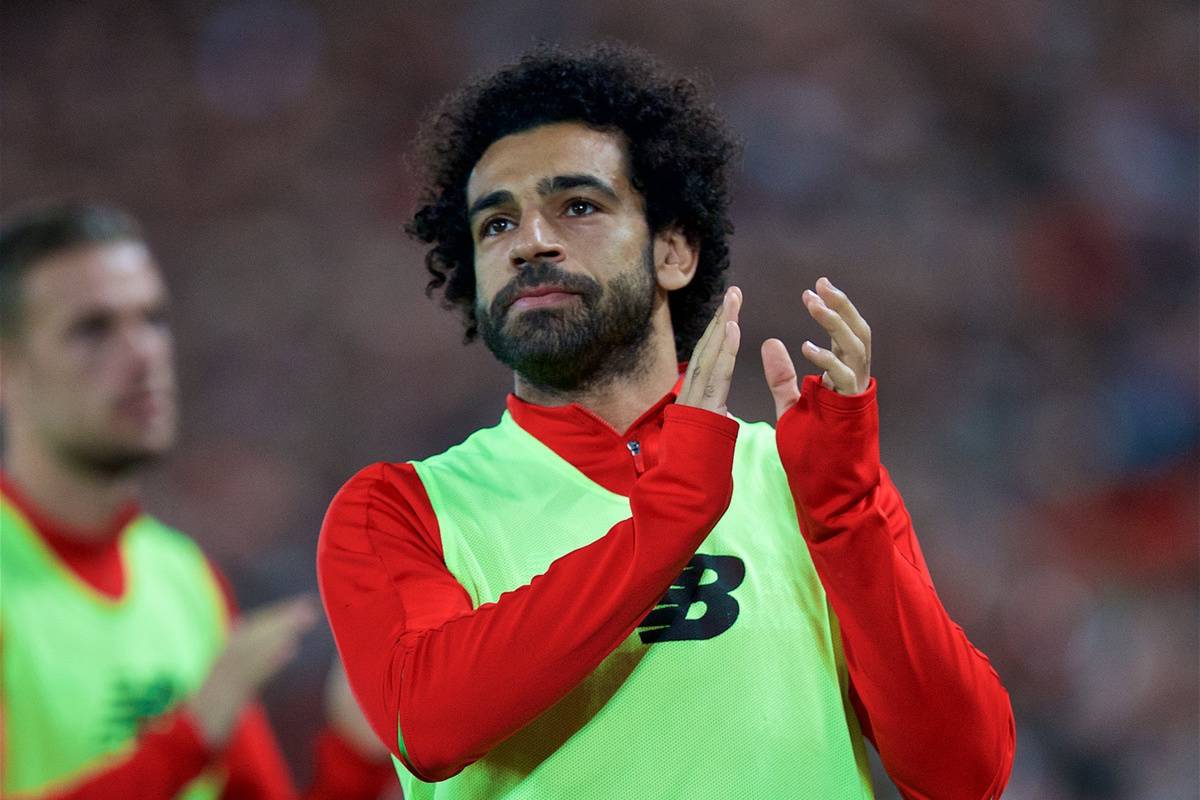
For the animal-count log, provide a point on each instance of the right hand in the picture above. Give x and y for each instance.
(710, 370)
(259, 645)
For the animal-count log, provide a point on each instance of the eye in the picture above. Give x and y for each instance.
(494, 226)
(92, 327)
(580, 208)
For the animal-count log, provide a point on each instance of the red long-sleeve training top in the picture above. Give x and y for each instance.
(414, 645)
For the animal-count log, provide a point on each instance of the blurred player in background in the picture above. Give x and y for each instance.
(125, 674)
(600, 597)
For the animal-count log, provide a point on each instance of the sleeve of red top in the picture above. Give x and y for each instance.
(452, 681)
(170, 753)
(167, 756)
(343, 773)
(934, 707)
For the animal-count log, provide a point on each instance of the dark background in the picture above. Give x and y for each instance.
(1007, 190)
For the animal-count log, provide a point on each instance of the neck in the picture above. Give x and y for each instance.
(620, 400)
(86, 501)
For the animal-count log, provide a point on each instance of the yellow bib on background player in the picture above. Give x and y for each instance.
(81, 672)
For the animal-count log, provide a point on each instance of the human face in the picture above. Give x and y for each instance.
(564, 266)
(90, 374)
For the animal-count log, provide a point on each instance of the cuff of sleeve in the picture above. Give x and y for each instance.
(702, 418)
(829, 446)
(841, 403)
(180, 731)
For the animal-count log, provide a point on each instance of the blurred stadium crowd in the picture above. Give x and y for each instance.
(1008, 190)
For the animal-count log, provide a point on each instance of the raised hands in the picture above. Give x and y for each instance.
(846, 364)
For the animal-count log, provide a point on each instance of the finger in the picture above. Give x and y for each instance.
(843, 378)
(279, 656)
(717, 388)
(267, 663)
(286, 620)
(299, 621)
(705, 354)
(780, 373)
(708, 356)
(839, 331)
(280, 644)
(720, 344)
(735, 295)
(296, 604)
(698, 349)
(837, 300)
(299, 611)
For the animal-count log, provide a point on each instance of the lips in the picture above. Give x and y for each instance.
(544, 284)
(541, 296)
(144, 404)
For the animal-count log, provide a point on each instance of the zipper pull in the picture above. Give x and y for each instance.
(635, 450)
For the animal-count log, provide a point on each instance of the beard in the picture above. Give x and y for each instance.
(111, 461)
(578, 346)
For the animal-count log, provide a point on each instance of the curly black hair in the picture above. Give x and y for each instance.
(679, 154)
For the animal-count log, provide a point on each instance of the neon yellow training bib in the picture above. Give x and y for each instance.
(81, 672)
(735, 686)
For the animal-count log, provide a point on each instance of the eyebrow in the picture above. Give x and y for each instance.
(561, 183)
(490, 200)
(545, 187)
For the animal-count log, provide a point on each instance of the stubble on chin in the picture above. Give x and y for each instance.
(112, 461)
(570, 349)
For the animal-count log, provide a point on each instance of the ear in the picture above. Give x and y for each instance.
(675, 259)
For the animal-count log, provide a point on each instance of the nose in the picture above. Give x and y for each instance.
(146, 345)
(536, 240)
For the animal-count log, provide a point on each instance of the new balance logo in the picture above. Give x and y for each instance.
(672, 620)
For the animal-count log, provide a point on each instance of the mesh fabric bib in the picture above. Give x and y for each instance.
(734, 687)
(81, 672)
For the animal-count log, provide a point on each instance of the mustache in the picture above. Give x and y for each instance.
(542, 273)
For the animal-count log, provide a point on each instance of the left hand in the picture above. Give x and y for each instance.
(846, 364)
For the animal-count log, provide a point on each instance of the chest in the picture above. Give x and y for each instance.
(81, 673)
(497, 536)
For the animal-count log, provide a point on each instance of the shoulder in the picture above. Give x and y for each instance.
(386, 504)
(379, 487)
(150, 536)
(384, 498)
(178, 556)
(497, 444)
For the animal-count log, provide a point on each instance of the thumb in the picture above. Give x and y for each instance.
(780, 373)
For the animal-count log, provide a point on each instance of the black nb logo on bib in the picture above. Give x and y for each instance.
(669, 621)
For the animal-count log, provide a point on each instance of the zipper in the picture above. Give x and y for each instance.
(635, 450)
